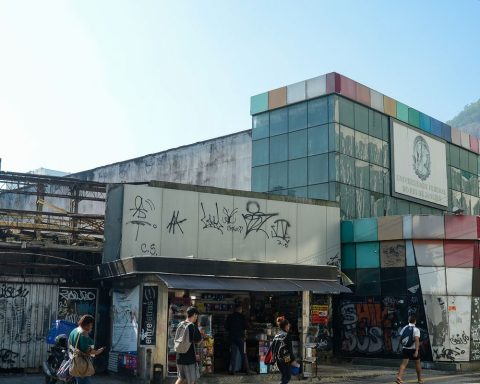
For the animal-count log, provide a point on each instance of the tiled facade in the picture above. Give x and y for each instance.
(329, 138)
(402, 265)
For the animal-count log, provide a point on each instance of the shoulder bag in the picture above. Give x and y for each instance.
(81, 365)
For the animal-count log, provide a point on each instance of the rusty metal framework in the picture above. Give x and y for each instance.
(47, 208)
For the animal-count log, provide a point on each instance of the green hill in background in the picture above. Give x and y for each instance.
(469, 119)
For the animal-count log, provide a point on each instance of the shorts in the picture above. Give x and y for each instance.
(188, 372)
(408, 354)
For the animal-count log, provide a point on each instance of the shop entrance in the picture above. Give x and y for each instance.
(261, 311)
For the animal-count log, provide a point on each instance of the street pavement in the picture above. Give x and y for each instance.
(328, 375)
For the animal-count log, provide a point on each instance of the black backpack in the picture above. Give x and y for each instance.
(406, 336)
(282, 352)
(278, 350)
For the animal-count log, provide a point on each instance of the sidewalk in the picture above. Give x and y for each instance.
(330, 373)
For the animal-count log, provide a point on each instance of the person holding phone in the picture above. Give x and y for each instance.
(85, 342)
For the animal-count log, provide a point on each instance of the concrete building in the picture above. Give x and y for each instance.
(333, 138)
(169, 246)
(222, 162)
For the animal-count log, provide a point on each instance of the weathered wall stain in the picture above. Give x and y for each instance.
(26, 313)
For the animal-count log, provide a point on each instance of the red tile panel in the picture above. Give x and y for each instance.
(363, 94)
(476, 259)
(461, 227)
(473, 143)
(460, 253)
(347, 87)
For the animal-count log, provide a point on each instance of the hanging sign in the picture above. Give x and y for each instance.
(149, 316)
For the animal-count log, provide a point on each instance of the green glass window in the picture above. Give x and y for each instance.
(375, 150)
(318, 191)
(454, 155)
(333, 109)
(334, 192)
(298, 192)
(346, 170)
(333, 137)
(376, 178)
(463, 160)
(318, 140)
(472, 163)
(363, 202)
(362, 174)
(386, 181)
(260, 126)
(377, 202)
(318, 112)
(415, 209)
(456, 178)
(346, 114)
(297, 117)
(278, 148)
(375, 124)
(347, 201)
(318, 169)
(347, 141)
(403, 207)
(385, 128)
(361, 146)
(260, 179)
(386, 154)
(278, 122)
(260, 152)
(333, 167)
(297, 144)
(361, 118)
(475, 205)
(297, 173)
(278, 176)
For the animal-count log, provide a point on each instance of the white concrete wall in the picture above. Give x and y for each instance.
(223, 162)
(179, 223)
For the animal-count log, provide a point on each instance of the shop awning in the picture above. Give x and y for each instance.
(212, 283)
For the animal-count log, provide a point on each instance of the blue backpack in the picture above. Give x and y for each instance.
(406, 336)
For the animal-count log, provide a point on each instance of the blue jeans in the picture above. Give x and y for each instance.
(237, 346)
(82, 380)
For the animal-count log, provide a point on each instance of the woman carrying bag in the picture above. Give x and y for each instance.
(284, 352)
(81, 350)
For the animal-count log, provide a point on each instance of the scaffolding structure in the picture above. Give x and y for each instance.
(49, 220)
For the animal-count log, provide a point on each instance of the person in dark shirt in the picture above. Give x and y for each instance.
(187, 370)
(236, 325)
(287, 359)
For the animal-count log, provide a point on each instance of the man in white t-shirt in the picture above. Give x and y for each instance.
(410, 349)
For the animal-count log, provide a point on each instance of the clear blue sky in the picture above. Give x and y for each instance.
(86, 83)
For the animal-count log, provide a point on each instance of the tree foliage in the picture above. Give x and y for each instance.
(468, 120)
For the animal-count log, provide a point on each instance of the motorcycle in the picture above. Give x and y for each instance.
(56, 355)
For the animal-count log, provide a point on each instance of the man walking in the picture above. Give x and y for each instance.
(186, 336)
(410, 339)
(236, 325)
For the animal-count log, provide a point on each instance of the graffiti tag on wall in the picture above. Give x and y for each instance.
(373, 326)
(75, 302)
(25, 316)
(475, 327)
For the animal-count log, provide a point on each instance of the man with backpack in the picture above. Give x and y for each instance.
(410, 340)
(186, 336)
